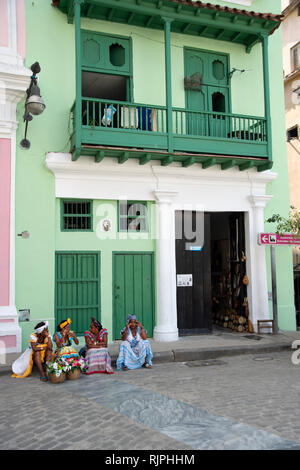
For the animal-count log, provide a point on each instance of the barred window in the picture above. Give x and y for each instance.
(133, 216)
(295, 57)
(76, 215)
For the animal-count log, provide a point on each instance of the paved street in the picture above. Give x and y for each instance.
(240, 402)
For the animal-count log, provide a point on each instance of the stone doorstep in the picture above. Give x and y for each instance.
(186, 354)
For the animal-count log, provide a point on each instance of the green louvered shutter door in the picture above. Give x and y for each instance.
(218, 94)
(104, 53)
(77, 294)
(133, 290)
(214, 94)
(195, 63)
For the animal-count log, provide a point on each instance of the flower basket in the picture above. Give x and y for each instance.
(73, 375)
(57, 380)
(59, 369)
(56, 372)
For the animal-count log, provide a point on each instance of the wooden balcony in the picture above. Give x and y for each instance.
(132, 130)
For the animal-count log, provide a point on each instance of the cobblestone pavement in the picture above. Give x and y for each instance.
(253, 396)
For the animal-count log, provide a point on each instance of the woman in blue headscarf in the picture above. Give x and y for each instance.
(135, 349)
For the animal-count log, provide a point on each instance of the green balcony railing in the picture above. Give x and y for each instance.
(117, 123)
(219, 125)
(124, 116)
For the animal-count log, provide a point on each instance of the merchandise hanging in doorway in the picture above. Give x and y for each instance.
(229, 275)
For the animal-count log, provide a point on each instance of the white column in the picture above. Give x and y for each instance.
(258, 285)
(166, 326)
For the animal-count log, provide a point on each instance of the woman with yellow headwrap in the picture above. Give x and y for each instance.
(63, 339)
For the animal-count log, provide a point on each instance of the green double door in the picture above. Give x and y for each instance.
(78, 287)
(133, 290)
(212, 95)
(77, 292)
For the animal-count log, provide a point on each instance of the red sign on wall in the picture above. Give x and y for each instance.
(276, 239)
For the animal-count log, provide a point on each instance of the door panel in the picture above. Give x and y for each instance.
(196, 100)
(77, 293)
(197, 123)
(133, 290)
(213, 69)
(194, 302)
(218, 100)
(217, 69)
(105, 53)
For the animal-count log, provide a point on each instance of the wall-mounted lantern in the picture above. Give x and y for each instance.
(34, 103)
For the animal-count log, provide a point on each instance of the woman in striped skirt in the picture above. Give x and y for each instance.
(97, 355)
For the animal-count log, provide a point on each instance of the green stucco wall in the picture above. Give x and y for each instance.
(37, 209)
(280, 203)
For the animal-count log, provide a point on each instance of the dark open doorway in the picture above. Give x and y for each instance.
(106, 90)
(228, 271)
(212, 282)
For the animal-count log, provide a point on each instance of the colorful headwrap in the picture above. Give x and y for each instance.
(41, 328)
(65, 323)
(96, 323)
(130, 317)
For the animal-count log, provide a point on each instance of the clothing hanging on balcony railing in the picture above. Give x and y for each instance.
(140, 118)
(129, 117)
(154, 120)
(108, 115)
(144, 118)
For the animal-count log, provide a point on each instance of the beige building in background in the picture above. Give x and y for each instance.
(291, 73)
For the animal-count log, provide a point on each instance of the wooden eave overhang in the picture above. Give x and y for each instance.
(122, 154)
(187, 17)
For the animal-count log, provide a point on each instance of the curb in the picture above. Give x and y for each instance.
(184, 355)
(158, 357)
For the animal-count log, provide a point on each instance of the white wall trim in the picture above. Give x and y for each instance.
(9, 55)
(87, 179)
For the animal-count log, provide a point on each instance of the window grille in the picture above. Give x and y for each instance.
(133, 216)
(76, 216)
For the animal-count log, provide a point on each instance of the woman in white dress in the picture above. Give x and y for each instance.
(40, 352)
(135, 349)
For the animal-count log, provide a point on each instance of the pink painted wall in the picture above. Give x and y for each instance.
(9, 341)
(5, 175)
(21, 28)
(3, 24)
